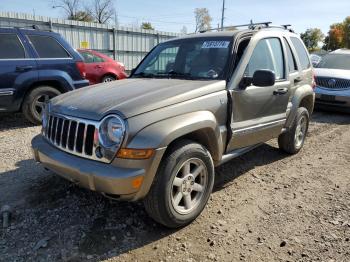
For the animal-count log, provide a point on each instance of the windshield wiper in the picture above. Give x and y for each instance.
(173, 73)
(145, 75)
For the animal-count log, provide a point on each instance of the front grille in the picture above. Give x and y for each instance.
(75, 136)
(333, 83)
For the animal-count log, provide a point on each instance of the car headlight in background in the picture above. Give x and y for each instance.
(111, 132)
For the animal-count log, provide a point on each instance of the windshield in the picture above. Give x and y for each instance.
(198, 58)
(335, 61)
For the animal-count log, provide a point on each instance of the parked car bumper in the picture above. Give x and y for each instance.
(109, 179)
(80, 84)
(333, 99)
(122, 75)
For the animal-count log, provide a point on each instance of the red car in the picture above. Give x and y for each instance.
(101, 68)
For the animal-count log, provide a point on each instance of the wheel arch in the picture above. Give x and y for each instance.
(51, 83)
(109, 74)
(304, 96)
(200, 127)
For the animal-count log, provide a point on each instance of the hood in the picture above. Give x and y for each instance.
(131, 97)
(334, 73)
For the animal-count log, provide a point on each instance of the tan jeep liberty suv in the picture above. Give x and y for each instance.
(192, 104)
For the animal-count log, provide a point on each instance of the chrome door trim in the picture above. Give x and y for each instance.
(252, 129)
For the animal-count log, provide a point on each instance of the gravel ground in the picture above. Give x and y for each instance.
(266, 206)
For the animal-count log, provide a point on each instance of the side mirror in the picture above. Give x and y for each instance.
(264, 78)
(132, 71)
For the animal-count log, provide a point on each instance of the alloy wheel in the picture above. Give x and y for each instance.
(38, 104)
(189, 186)
(300, 131)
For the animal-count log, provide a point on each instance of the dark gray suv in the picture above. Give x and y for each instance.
(192, 104)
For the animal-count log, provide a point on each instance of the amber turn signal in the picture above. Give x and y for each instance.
(127, 153)
(137, 182)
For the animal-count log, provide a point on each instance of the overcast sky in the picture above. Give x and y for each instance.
(172, 15)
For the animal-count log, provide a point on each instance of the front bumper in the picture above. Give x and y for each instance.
(108, 179)
(81, 84)
(332, 99)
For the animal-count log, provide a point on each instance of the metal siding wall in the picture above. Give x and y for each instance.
(131, 44)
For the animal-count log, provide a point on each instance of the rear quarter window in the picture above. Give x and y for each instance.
(301, 52)
(48, 47)
(11, 47)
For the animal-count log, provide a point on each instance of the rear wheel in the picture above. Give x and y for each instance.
(182, 186)
(293, 140)
(34, 102)
(108, 78)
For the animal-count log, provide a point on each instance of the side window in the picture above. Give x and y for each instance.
(292, 66)
(98, 59)
(88, 58)
(268, 55)
(48, 47)
(91, 58)
(11, 47)
(302, 53)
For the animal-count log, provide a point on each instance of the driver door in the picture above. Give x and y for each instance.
(259, 113)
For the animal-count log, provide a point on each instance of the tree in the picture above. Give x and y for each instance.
(147, 26)
(312, 37)
(184, 30)
(101, 10)
(203, 19)
(346, 28)
(82, 16)
(70, 7)
(335, 38)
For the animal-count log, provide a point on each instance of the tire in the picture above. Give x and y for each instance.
(35, 100)
(178, 195)
(108, 78)
(290, 142)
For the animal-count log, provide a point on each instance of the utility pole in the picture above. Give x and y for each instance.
(223, 15)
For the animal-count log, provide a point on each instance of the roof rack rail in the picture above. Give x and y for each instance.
(33, 27)
(253, 26)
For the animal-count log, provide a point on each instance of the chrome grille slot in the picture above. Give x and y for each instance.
(65, 133)
(59, 131)
(74, 136)
(89, 140)
(80, 138)
(53, 132)
(333, 83)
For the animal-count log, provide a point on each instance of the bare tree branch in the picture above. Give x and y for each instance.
(70, 7)
(102, 10)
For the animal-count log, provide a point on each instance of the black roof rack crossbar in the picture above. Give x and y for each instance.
(286, 26)
(252, 25)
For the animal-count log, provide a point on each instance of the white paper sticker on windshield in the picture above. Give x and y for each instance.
(216, 44)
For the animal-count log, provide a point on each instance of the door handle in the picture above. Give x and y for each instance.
(23, 68)
(280, 91)
(298, 80)
(98, 66)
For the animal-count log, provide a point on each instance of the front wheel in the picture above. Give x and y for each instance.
(292, 141)
(108, 78)
(182, 186)
(34, 102)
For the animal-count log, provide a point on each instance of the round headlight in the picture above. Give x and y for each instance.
(111, 131)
